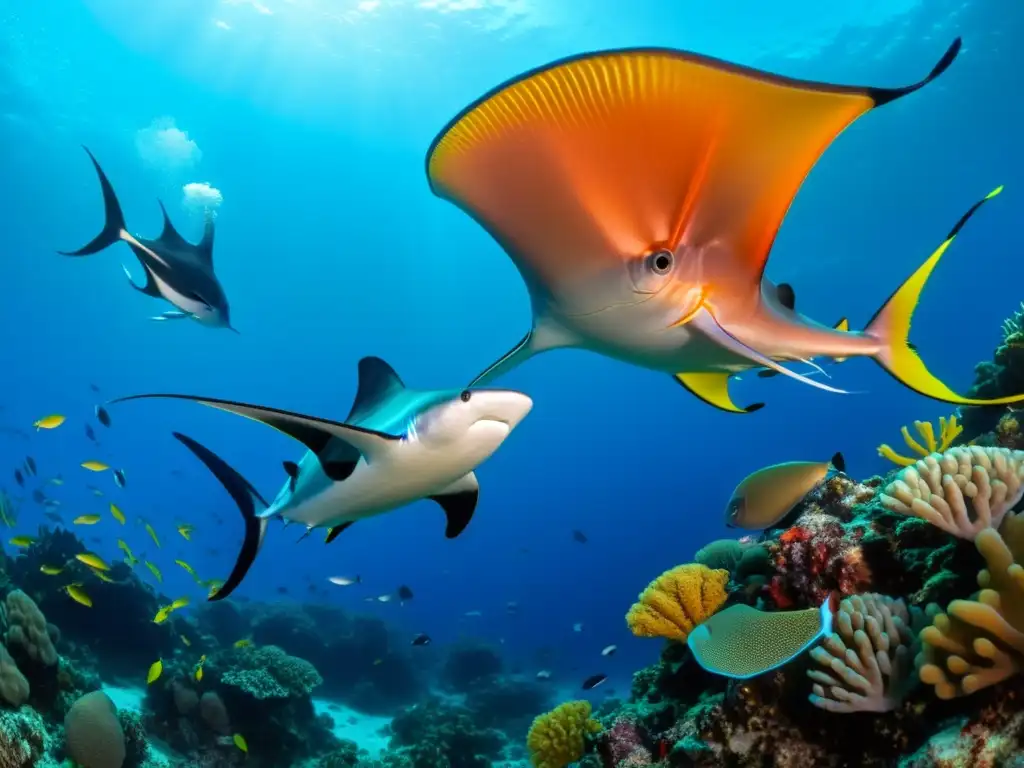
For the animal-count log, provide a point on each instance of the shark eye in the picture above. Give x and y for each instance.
(466, 394)
(660, 262)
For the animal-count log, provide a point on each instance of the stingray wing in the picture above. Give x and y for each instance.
(601, 157)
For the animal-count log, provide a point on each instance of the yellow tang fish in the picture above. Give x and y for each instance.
(186, 531)
(102, 576)
(86, 520)
(181, 602)
(52, 421)
(78, 594)
(155, 671)
(152, 533)
(93, 561)
(185, 640)
(155, 571)
(50, 570)
(243, 642)
(23, 541)
(162, 614)
(94, 466)
(199, 674)
(240, 743)
(188, 568)
(117, 513)
(123, 545)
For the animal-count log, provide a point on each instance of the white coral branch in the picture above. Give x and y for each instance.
(962, 491)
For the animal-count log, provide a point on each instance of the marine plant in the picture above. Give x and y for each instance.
(677, 601)
(558, 738)
(962, 491)
(949, 430)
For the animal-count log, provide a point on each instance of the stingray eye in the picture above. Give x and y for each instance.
(660, 262)
(466, 394)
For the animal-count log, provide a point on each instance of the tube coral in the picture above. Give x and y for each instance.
(949, 430)
(677, 601)
(937, 489)
(557, 738)
(867, 662)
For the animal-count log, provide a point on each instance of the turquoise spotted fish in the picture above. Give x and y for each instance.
(742, 642)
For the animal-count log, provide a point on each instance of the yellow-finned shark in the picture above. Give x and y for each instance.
(176, 270)
(639, 191)
(397, 446)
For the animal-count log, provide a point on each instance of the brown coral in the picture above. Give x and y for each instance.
(14, 687)
(27, 629)
(94, 734)
(677, 601)
(980, 642)
(962, 491)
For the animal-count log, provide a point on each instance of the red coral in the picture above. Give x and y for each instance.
(623, 739)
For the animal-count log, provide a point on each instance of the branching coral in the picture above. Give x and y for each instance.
(868, 660)
(980, 642)
(268, 672)
(556, 738)
(677, 601)
(949, 430)
(937, 489)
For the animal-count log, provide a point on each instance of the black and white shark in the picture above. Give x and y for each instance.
(397, 446)
(176, 270)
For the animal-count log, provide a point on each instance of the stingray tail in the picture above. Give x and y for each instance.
(249, 503)
(114, 224)
(891, 327)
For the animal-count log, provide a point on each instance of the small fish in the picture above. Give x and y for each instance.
(58, 480)
(577, 627)
(766, 496)
(102, 416)
(23, 541)
(95, 466)
(214, 586)
(78, 594)
(378, 662)
(421, 640)
(95, 491)
(188, 568)
(86, 520)
(243, 643)
(181, 602)
(93, 561)
(152, 535)
(185, 640)
(593, 681)
(89, 433)
(123, 545)
(473, 614)
(155, 571)
(240, 742)
(608, 650)
(404, 593)
(162, 615)
(101, 576)
(18, 478)
(199, 673)
(186, 531)
(544, 674)
(119, 478)
(93, 387)
(117, 513)
(579, 536)
(344, 581)
(51, 570)
(384, 598)
(52, 421)
(155, 670)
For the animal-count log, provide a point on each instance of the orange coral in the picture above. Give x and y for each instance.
(677, 601)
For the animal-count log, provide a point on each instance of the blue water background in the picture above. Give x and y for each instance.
(313, 120)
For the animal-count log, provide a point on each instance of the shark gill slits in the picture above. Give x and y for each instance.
(292, 470)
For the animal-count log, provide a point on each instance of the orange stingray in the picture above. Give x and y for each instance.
(591, 160)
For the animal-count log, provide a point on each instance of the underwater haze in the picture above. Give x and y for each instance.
(301, 129)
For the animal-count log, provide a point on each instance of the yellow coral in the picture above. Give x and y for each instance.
(949, 430)
(677, 601)
(980, 642)
(556, 738)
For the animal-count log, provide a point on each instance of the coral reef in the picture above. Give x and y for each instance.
(434, 734)
(95, 738)
(558, 737)
(677, 601)
(949, 430)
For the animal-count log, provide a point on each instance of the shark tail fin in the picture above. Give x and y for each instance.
(891, 327)
(114, 223)
(250, 505)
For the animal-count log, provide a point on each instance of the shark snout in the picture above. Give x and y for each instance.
(505, 406)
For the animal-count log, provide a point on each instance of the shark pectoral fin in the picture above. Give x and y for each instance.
(547, 334)
(458, 501)
(150, 288)
(336, 531)
(250, 505)
(316, 434)
(378, 382)
(713, 389)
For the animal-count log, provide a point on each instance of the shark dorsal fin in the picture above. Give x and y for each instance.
(204, 250)
(377, 382)
(170, 237)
